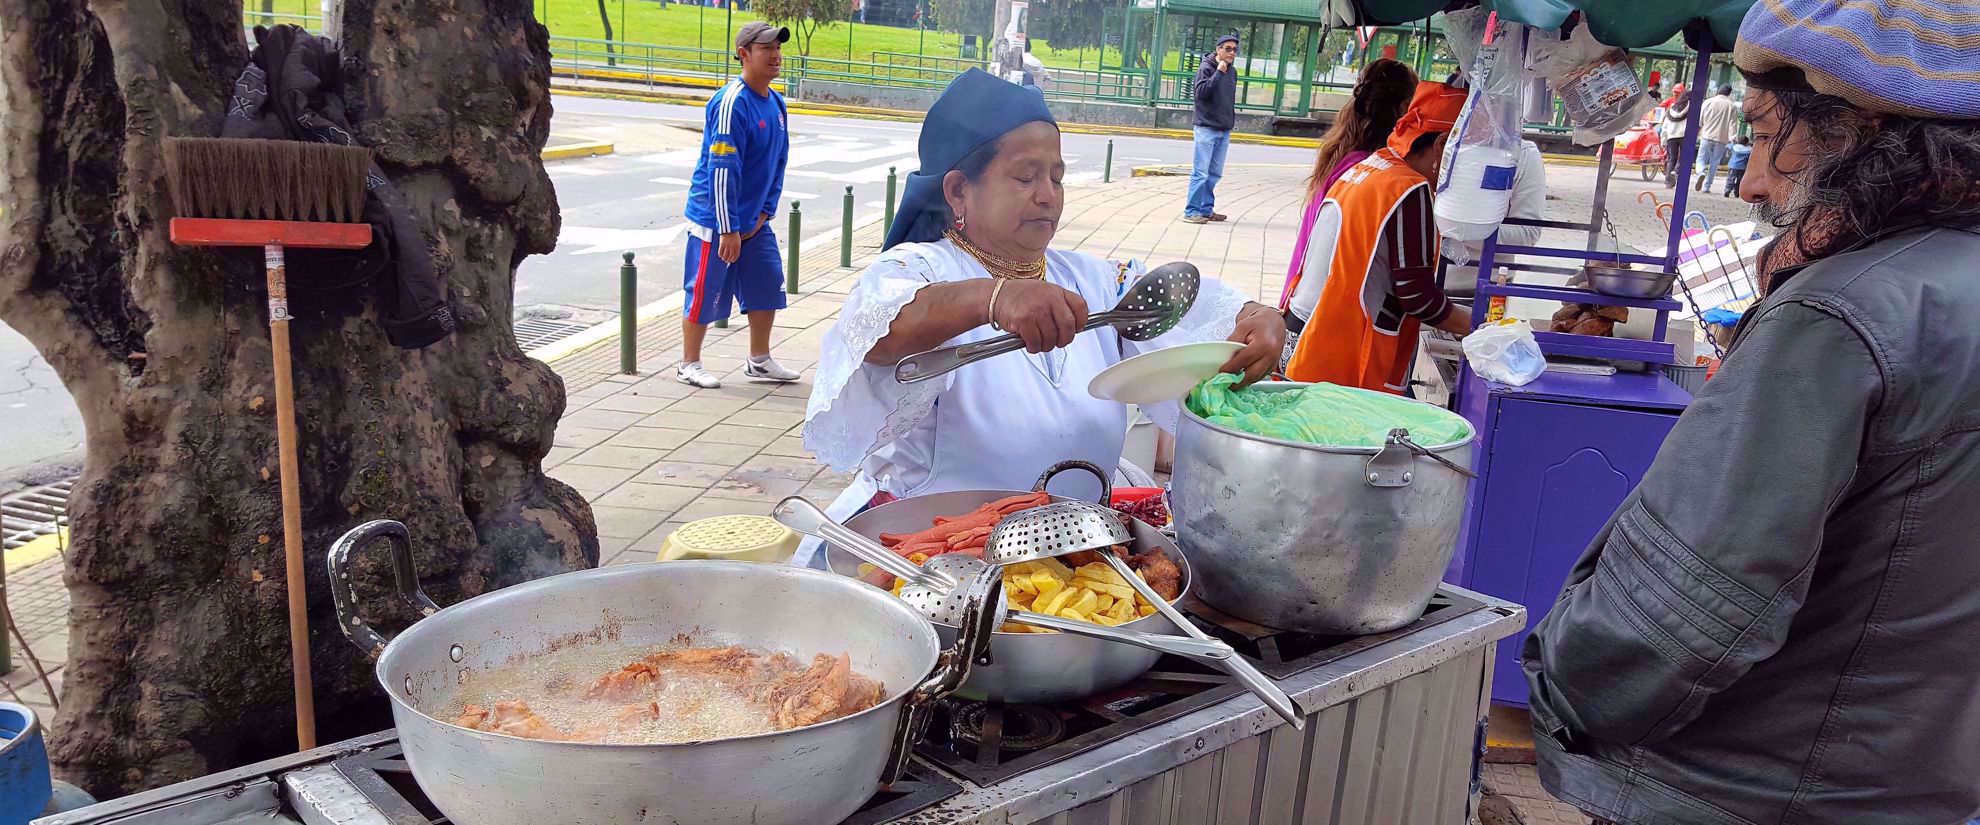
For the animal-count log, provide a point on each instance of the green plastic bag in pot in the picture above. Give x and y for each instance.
(1323, 414)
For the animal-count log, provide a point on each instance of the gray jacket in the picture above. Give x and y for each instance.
(1782, 623)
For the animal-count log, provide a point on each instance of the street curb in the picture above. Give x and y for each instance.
(1180, 170)
(609, 330)
(37, 551)
(662, 79)
(586, 149)
(872, 113)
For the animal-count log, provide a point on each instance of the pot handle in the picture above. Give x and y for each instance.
(1106, 481)
(345, 597)
(982, 593)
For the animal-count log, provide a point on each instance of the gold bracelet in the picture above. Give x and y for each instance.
(992, 314)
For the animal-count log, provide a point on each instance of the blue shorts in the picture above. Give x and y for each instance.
(756, 279)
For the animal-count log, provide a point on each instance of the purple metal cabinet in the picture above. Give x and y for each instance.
(1556, 458)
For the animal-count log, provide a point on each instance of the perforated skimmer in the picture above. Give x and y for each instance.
(1071, 526)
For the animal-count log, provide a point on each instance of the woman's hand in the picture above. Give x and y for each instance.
(1262, 331)
(1045, 315)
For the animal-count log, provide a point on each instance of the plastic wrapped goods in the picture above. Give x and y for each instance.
(1323, 414)
(1481, 158)
(1597, 87)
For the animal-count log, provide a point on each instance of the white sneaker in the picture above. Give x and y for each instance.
(769, 370)
(694, 374)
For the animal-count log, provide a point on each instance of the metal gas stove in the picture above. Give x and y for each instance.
(1394, 735)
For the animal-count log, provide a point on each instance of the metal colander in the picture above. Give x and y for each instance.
(1054, 530)
(939, 592)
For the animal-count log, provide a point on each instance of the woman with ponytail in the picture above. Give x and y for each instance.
(1380, 96)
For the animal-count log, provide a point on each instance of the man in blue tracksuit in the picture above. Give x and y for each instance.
(732, 253)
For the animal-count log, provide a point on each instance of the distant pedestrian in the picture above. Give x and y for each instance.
(1719, 117)
(732, 254)
(1740, 149)
(1216, 114)
(1670, 127)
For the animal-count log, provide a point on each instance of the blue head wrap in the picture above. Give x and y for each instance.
(976, 109)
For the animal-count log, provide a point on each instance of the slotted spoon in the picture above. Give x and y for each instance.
(936, 588)
(1154, 305)
(1071, 526)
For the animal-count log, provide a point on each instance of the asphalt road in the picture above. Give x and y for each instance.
(633, 200)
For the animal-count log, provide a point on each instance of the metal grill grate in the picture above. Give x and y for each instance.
(532, 333)
(34, 513)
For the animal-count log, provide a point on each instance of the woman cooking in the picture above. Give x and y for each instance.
(968, 258)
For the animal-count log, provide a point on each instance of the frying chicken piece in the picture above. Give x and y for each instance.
(1162, 575)
(513, 718)
(815, 694)
(625, 684)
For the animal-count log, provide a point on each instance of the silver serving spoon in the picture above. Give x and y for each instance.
(1154, 305)
(936, 589)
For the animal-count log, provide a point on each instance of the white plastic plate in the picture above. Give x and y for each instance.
(1162, 375)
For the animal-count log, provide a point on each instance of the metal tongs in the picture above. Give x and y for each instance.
(1071, 526)
(934, 589)
(1154, 305)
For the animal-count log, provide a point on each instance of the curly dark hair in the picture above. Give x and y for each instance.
(1868, 175)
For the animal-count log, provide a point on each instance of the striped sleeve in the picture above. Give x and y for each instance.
(724, 156)
(1412, 241)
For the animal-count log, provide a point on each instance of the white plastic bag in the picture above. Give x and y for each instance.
(1601, 93)
(1505, 352)
(1474, 188)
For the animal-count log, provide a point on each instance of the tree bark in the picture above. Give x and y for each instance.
(605, 19)
(178, 662)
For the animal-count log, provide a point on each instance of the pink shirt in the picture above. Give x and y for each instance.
(1313, 214)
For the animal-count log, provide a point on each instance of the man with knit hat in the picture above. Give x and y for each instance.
(1365, 307)
(1785, 631)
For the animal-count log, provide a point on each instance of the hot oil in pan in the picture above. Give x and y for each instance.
(690, 706)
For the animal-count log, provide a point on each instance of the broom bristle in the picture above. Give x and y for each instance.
(268, 180)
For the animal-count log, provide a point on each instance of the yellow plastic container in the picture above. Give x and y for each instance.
(739, 538)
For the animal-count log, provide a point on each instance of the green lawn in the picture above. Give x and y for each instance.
(643, 21)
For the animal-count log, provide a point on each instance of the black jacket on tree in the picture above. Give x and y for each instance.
(292, 89)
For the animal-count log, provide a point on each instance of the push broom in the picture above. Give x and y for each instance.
(274, 194)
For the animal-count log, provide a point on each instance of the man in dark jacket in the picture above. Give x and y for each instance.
(1216, 113)
(1780, 623)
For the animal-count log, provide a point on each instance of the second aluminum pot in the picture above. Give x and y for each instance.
(1028, 668)
(1327, 540)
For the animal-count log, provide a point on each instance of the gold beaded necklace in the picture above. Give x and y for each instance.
(998, 267)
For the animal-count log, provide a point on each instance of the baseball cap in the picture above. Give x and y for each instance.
(757, 31)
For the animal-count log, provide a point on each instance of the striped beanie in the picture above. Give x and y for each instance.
(1914, 58)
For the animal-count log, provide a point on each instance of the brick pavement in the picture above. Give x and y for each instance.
(651, 454)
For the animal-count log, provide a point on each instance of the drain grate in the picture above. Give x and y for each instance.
(532, 333)
(34, 513)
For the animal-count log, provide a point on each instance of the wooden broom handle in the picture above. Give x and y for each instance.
(292, 543)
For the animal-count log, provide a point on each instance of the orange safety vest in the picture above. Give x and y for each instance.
(1359, 336)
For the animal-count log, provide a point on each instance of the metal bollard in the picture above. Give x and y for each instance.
(846, 233)
(887, 221)
(628, 316)
(1108, 176)
(791, 252)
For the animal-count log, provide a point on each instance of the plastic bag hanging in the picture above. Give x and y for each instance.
(1474, 187)
(1596, 84)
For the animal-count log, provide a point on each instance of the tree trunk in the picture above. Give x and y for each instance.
(605, 18)
(178, 653)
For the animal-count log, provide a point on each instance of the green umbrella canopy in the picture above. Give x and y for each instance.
(1629, 24)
